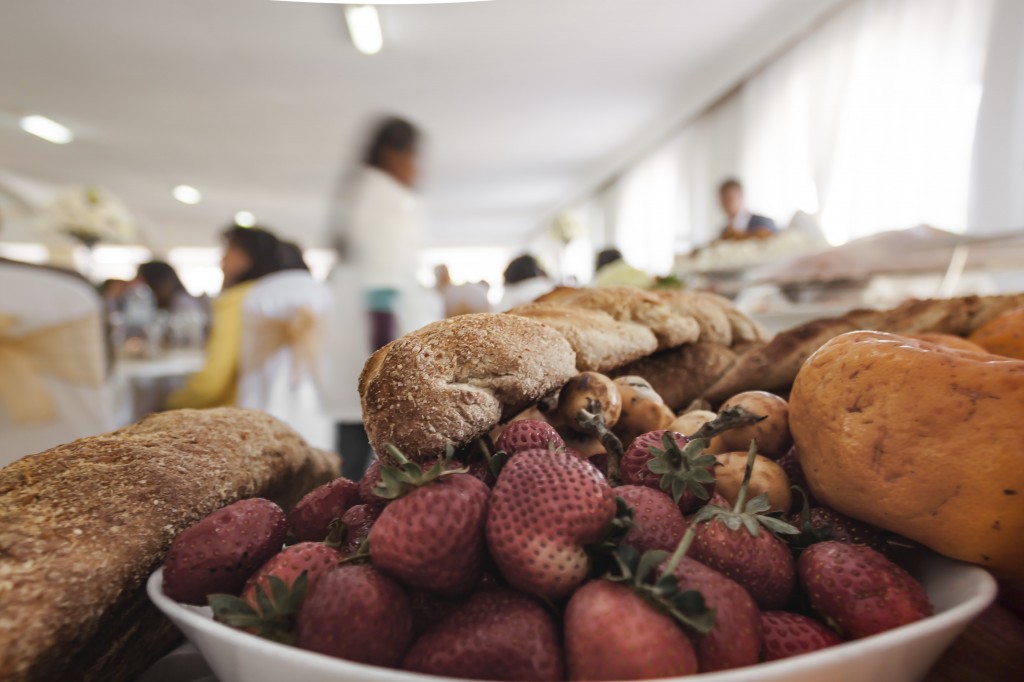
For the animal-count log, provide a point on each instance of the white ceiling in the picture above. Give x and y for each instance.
(529, 104)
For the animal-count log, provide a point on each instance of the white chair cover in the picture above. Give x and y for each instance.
(284, 358)
(52, 344)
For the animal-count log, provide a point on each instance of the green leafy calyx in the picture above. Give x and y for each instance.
(402, 477)
(682, 469)
(274, 617)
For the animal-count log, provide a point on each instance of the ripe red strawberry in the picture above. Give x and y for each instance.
(657, 521)
(357, 613)
(859, 590)
(312, 558)
(740, 543)
(850, 531)
(309, 521)
(498, 634)
(432, 536)
(528, 434)
(358, 521)
(545, 509)
(274, 594)
(667, 461)
(790, 634)
(735, 639)
(612, 633)
(220, 552)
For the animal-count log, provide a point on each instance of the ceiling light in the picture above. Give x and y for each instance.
(49, 130)
(245, 219)
(187, 194)
(364, 27)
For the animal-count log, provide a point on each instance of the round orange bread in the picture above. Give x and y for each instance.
(949, 340)
(920, 439)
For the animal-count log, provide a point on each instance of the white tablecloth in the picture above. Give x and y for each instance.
(141, 385)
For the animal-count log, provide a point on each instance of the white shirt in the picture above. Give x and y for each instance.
(384, 231)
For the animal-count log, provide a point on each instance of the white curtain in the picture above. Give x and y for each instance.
(872, 118)
(867, 123)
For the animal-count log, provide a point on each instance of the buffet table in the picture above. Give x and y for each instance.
(141, 385)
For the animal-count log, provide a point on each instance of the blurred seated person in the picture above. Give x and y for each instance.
(284, 349)
(249, 254)
(611, 269)
(742, 223)
(113, 292)
(461, 299)
(54, 364)
(525, 281)
(169, 292)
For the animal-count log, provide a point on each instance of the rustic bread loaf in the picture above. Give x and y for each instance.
(82, 526)
(601, 342)
(680, 375)
(774, 366)
(452, 381)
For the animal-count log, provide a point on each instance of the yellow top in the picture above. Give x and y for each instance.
(215, 384)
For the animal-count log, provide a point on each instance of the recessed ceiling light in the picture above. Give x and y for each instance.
(187, 194)
(245, 219)
(364, 27)
(48, 129)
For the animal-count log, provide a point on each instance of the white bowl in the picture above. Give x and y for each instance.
(958, 591)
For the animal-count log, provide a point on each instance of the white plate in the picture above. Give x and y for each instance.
(958, 591)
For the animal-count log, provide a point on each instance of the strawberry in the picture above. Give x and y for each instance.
(498, 634)
(790, 634)
(545, 508)
(735, 639)
(860, 591)
(740, 543)
(309, 521)
(432, 535)
(357, 613)
(312, 558)
(612, 633)
(657, 521)
(821, 524)
(220, 552)
(274, 594)
(528, 434)
(665, 460)
(358, 521)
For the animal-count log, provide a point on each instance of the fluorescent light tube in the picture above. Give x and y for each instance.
(49, 130)
(364, 27)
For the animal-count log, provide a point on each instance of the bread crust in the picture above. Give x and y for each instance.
(84, 524)
(452, 381)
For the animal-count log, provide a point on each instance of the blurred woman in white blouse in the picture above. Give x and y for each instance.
(525, 281)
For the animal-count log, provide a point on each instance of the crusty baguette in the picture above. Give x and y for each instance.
(82, 526)
(774, 366)
(452, 381)
(680, 375)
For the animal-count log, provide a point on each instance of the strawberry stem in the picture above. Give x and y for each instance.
(741, 499)
(681, 550)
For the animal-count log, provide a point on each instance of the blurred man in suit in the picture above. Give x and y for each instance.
(742, 223)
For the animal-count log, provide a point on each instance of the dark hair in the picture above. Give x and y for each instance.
(523, 268)
(290, 257)
(259, 245)
(606, 256)
(729, 183)
(391, 134)
(162, 280)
